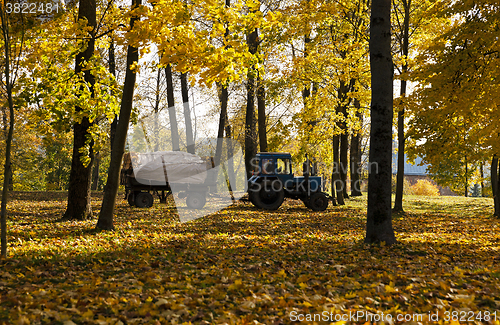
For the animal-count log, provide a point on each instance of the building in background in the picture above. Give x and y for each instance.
(417, 171)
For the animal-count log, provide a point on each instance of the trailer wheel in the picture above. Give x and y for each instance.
(267, 197)
(144, 200)
(196, 200)
(318, 202)
(131, 198)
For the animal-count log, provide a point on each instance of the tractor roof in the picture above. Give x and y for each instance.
(274, 154)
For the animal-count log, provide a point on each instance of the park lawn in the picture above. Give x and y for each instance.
(246, 266)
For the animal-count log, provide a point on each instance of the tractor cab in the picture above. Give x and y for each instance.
(272, 164)
(273, 179)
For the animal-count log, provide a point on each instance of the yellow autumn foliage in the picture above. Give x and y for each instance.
(425, 187)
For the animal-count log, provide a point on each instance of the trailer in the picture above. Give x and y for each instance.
(159, 173)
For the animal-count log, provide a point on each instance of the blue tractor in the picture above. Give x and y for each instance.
(273, 180)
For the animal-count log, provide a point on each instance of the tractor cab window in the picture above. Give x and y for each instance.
(267, 166)
(283, 166)
(255, 169)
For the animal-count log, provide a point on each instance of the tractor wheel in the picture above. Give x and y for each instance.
(196, 200)
(318, 202)
(267, 197)
(144, 200)
(251, 193)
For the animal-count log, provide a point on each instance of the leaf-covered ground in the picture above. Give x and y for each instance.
(245, 266)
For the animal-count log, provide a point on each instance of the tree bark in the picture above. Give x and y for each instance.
(466, 186)
(497, 202)
(230, 153)
(223, 99)
(112, 70)
(398, 202)
(187, 114)
(355, 164)
(95, 172)
(10, 134)
(355, 156)
(105, 221)
(344, 162)
(5, 121)
(261, 115)
(250, 128)
(7, 165)
(156, 109)
(495, 185)
(306, 92)
(7, 169)
(79, 194)
(174, 130)
(379, 218)
(481, 171)
(336, 178)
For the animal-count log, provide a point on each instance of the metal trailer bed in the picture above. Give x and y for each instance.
(139, 192)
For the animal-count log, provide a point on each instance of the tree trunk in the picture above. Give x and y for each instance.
(79, 194)
(187, 114)
(112, 71)
(466, 186)
(156, 109)
(306, 92)
(497, 202)
(95, 172)
(5, 121)
(398, 202)
(174, 130)
(379, 218)
(230, 153)
(336, 178)
(355, 165)
(355, 156)
(261, 113)
(105, 221)
(10, 134)
(223, 99)
(481, 171)
(495, 185)
(250, 131)
(344, 162)
(7, 166)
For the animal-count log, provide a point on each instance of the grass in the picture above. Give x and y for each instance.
(242, 265)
